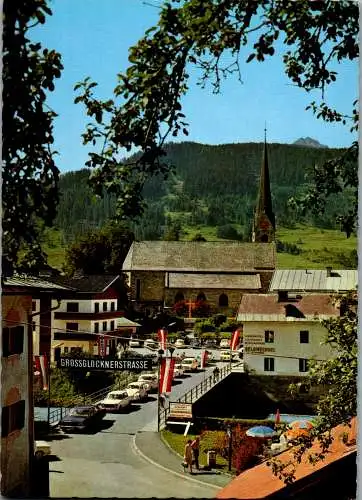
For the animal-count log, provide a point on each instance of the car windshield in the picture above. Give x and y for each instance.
(79, 412)
(117, 395)
(188, 361)
(134, 386)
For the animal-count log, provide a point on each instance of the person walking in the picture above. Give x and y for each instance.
(216, 374)
(188, 455)
(195, 445)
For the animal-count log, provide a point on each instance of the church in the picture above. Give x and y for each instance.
(162, 273)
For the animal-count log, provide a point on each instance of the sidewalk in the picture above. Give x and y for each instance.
(151, 447)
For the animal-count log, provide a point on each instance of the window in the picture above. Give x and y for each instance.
(66, 350)
(113, 306)
(34, 326)
(71, 327)
(304, 337)
(13, 340)
(12, 418)
(104, 326)
(201, 297)
(112, 326)
(138, 289)
(96, 327)
(33, 305)
(269, 337)
(104, 306)
(223, 300)
(303, 365)
(268, 364)
(179, 297)
(76, 349)
(72, 307)
(96, 307)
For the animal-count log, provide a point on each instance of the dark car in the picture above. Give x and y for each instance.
(196, 344)
(82, 418)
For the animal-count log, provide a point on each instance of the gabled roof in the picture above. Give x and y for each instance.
(95, 283)
(198, 256)
(259, 482)
(126, 323)
(314, 280)
(268, 307)
(219, 281)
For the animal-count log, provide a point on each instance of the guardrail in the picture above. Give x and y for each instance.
(196, 392)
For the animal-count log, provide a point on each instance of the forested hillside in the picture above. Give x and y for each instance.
(209, 185)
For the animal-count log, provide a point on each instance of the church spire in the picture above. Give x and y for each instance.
(264, 220)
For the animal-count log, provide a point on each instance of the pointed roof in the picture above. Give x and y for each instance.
(264, 197)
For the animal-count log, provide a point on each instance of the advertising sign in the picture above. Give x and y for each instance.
(87, 364)
(180, 410)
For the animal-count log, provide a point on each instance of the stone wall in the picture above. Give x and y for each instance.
(152, 285)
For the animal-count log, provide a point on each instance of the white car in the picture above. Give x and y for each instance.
(42, 448)
(151, 344)
(134, 343)
(137, 391)
(178, 370)
(180, 343)
(149, 378)
(226, 355)
(189, 364)
(115, 401)
(224, 343)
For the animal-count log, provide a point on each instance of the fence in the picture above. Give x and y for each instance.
(196, 392)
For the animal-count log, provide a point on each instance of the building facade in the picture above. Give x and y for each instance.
(282, 333)
(87, 320)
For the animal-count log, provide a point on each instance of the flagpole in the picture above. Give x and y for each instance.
(160, 352)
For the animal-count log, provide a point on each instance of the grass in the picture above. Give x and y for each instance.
(177, 443)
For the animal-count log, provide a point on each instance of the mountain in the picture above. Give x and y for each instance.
(308, 142)
(209, 185)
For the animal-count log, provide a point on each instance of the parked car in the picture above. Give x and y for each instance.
(180, 343)
(134, 343)
(196, 344)
(224, 343)
(115, 401)
(42, 448)
(189, 364)
(137, 391)
(225, 355)
(150, 379)
(82, 418)
(210, 343)
(178, 370)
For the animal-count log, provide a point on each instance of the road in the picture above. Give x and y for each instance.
(105, 464)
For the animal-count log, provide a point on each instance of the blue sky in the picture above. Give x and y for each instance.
(93, 37)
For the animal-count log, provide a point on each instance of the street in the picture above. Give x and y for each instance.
(105, 464)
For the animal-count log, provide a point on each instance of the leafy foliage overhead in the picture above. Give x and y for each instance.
(29, 174)
(147, 109)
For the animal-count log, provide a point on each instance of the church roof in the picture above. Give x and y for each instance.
(198, 256)
(219, 281)
(264, 197)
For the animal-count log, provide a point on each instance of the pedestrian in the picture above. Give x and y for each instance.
(195, 445)
(188, 455)
(216, 373)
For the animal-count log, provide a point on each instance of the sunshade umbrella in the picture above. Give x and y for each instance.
(261, 431)
(296, 433)
(301, 424)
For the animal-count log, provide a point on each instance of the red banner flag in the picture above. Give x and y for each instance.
(204, 355)
(162, 337)
(41, 368)
(235, 340)
(166, 374)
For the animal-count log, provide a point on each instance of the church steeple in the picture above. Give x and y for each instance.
(264, 219)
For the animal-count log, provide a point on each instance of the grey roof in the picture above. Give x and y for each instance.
(33, 282)
(126, 323)
(93, 283)
(314, 279)
(220, 281)
(194, 256)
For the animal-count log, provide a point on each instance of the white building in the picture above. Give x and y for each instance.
(283, 332)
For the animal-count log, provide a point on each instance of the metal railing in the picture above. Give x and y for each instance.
(196, 392)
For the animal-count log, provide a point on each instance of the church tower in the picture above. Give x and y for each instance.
(264, 218)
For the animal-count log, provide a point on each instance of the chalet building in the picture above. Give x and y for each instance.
(162, 273)
(17, 431)
(282, 331)
(87, 319)
(314, 280)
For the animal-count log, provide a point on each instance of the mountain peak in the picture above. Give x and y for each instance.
(309, 142)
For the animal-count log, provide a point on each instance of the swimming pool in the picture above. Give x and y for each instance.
(286, 418)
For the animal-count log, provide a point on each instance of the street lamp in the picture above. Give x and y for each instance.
(230, 436)
(159, 361)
